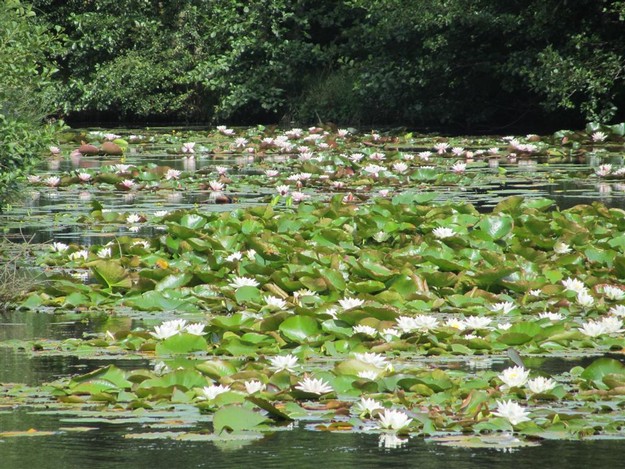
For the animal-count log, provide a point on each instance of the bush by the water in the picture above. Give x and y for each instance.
(435, 62)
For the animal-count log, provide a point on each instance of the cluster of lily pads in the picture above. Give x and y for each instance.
(348, 311)
(299, 164)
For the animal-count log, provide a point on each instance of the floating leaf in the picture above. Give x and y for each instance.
(300, 329)
(236, 418)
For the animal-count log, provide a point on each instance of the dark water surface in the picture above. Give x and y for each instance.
(106, 448)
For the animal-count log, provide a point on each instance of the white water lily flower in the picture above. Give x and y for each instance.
(459, 167)
(172, 174)
(82, 254)
(572, 284)
(400, 167)
(477, 322)
(551, 316)
(514, 377)
(216, 186)
(540, 384)
(441, 148)
(613, 293)
(188, 147)
(195, 328)
(299, 196)
(373, 169)
(424, 322)
(169, 329)
(367, 330)
(603, 170)
(350, 303)
(221, 170)
(121, 168)
(33, 179)
(84, 177)
(274, 302)
(211, 392)
(376, 359)
(272, 173)
(133, 218)
(144, 243)
(424, 155)
(561, 248)
(504, 326)
(235, 256)
(511, 411)
(304, 292)
(314, 386)
(598, 136)
(356, 157)
(406, 324)
(59, 247)
(52, 181)
(393, 419)
(504, 307)
(252, 387)
(391, 441)
(592, 328)
(283, 190)
(585, 299)
(128, 183)
(367, 406)
(442, 232)
(238, 282)
(283, 362)
(618, 310)
(391, 334)
(456, 323)
(104, 253)
(377, 156)
(368, 374)
(612, 324)
(240, 142)
(536, 292)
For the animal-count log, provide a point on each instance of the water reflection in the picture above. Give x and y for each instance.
(106, 447)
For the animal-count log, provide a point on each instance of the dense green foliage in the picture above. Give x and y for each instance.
(386, 61)
(26, 87)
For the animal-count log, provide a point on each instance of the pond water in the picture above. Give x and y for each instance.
(61, 214)
(106, 447)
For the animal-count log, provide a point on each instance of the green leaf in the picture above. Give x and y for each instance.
(192, 221)
(111, 274)
(181, 343)
(601, 367)
(300, 329)
(496, 226)
(173, 281)
(247, 294)
(236, 418)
